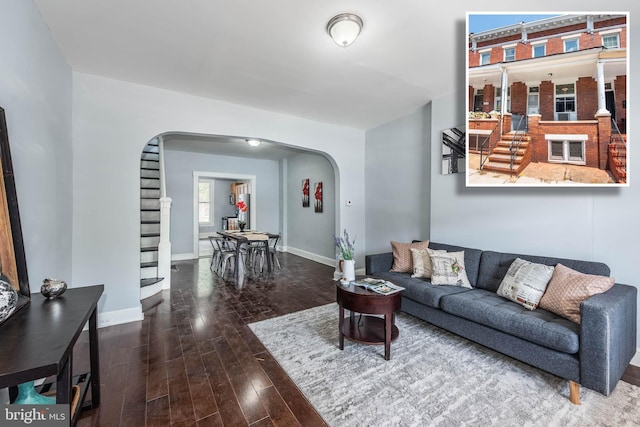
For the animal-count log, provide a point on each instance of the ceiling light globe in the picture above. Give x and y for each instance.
(344, 28)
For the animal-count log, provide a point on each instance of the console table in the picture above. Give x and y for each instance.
(38, 341)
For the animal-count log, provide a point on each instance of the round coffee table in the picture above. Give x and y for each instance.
(365, 329)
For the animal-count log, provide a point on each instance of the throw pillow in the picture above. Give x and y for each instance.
(525, 282)
(568, 288)
(402, 262)
(448, 269)
(422, 263)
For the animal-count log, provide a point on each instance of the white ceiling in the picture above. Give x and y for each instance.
(273, 55)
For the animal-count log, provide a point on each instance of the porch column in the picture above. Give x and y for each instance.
(503, 97)
(602, 103)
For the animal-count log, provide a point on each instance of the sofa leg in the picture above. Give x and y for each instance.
(574, 393)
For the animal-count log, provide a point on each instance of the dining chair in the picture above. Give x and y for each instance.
(261, 253)
(217, 253)
(227, 255)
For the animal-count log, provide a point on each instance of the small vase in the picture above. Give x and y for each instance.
(348, 269)
(241, 226)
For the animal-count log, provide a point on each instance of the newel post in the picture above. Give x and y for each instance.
(164, 247)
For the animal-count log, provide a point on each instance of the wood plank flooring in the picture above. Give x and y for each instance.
(193, 361)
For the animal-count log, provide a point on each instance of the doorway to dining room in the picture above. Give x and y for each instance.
(214, 205)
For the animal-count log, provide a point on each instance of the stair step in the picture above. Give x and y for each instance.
(150, 281)
(502, 167)
(150, 221)
(149, 249)
(507, 143)
(149, 234)
(507, 151)
(149, 264)
(505, 158)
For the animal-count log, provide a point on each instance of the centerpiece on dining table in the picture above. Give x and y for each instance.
(242, 214)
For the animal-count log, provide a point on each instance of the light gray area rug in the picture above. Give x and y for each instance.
(433, 378)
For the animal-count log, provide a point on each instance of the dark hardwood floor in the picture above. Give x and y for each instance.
(193, 361)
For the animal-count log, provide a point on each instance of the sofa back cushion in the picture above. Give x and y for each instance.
(471, 259)
(494, 266)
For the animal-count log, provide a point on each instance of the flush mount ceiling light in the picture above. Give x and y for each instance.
(344, 28)
(253, 142)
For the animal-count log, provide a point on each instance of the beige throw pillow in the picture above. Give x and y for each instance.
(568, 288)
(402, 262)
(525, 282)
(448, 269)
(422, 263)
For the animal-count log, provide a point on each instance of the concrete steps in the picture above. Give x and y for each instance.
(500, 158)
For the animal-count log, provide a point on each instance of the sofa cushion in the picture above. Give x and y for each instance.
(420, 290)
(471, 259)
(402, 262)
(422, 266)
(538, 326)
(448, 269)
(494, 266)
(569, 288)
(525, 282)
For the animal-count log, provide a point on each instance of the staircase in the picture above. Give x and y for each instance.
(500, 158)
(618, 157)
(149, 214)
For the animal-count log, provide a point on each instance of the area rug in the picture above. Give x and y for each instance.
(434, 378)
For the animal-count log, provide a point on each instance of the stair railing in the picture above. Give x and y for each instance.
(516, 142)
(617, 133)
(484, 157)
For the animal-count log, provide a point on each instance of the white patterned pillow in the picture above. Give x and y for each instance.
(525, 282)
(422, 263)
(448, 269)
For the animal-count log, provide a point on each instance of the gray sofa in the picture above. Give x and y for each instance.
(593, 354)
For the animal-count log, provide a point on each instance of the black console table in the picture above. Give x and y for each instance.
(38, 341)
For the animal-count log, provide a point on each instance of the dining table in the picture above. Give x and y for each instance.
(246, 238)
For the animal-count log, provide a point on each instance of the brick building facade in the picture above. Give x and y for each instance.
(569, 68)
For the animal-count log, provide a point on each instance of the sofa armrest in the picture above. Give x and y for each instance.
(378, 262)
(607, 337)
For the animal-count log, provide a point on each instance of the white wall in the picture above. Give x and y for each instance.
(307, 230)
(35, 91)
(397, 182)
(179, 168)
(112, 121)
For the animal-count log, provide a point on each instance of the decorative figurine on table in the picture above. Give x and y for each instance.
(52, 288)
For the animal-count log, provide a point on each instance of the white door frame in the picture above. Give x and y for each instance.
(219, 175)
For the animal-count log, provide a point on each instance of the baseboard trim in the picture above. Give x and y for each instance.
(310, 255)
(636, 359)
(182, 257)
(117, 317)
(149, 291)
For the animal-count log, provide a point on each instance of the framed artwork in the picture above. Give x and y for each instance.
(305, 193)
(232, 198)
(13, 268)
(317, 196)
(453, 150)
(547, 99)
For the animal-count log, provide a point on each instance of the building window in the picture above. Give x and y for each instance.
(565, 101)
(539, 50)
(571, 45)
(509, 54)
(565, 151)
(611, 41)
(205, 198)
(533, 100)
(485, 58)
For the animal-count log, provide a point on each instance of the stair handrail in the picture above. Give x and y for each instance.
(516, 141)
(484, 142)
(617, 130)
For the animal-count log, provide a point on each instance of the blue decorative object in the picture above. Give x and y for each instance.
(27, 395)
